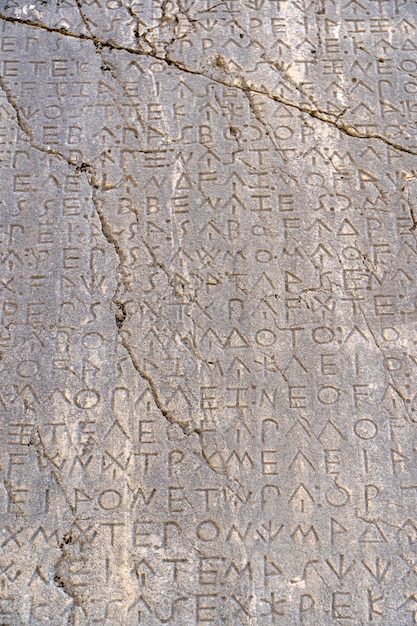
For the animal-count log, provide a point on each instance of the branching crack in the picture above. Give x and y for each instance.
(238, 82)
(27, 131)
(121, 313)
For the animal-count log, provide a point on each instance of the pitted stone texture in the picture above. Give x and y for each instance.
(208, 314)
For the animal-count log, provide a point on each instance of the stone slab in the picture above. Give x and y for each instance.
(208, 318)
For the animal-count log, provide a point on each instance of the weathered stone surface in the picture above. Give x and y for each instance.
(208, 312)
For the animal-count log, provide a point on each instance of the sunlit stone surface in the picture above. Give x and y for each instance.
(208, 318)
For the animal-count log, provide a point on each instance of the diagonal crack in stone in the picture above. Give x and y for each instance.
(239, 82)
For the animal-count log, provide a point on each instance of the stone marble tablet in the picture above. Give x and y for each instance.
(208, 312)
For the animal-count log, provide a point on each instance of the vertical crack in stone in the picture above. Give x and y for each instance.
(232, 251)
(25, 128)
(120, 315)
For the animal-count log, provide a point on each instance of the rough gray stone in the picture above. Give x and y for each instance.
(208, 312)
